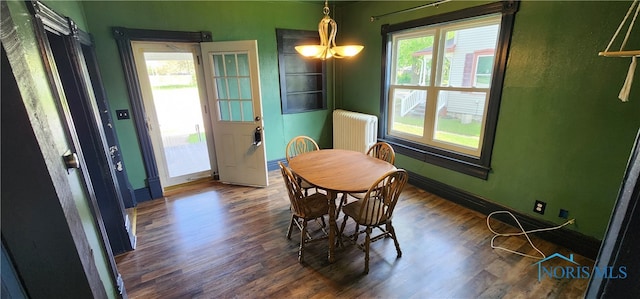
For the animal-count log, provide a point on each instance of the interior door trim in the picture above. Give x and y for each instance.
(123, 37)
(45, 19)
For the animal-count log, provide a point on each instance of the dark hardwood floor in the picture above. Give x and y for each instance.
(220, 241)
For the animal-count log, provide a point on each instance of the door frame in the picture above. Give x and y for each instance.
(124, 37)
(151, 115)
(620, 243)
(91, 123)
(46, 20)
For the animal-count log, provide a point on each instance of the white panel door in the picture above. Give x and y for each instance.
(233, 88)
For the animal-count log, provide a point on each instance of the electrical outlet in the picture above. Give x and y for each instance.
(122, 114)
(563, 214)
(539, 207)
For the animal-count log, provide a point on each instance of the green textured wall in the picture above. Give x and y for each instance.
(563, 137)
(227, 20)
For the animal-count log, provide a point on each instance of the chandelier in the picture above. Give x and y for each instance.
(327, 47)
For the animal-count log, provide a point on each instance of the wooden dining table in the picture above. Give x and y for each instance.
(338, 171)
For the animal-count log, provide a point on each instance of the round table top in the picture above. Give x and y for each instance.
(339, 170)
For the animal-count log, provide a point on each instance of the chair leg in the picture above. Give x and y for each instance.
(344, 223)
(293, 218)
(356, 232)
(392, 233)
(303, 233)
(340, 231)
(367, 242)
(343, 199)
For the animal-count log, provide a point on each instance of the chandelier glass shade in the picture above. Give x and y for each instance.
(327, 47)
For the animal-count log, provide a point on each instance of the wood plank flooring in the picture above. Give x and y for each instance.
(221, 241)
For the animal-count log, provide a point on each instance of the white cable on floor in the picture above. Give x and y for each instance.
(523, 232)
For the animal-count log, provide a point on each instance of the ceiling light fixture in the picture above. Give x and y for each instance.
(327, 47)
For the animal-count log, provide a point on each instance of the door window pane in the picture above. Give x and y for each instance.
(218, 65)
(230, 65)
(221, 89)
(243, 65)
(233, 86)
(245, 88)
(225, 110)
(232, 89)
(236, 110)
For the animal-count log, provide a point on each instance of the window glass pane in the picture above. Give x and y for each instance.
(484, 67)
(218, 65)
(233, 91)
(233, 86)
(471, 47)
(236, 111)
(446, 70)
(225, 114)
(245, 88)
(459, 118)
(230, 64)
(221, 88)
(413, 60)
(243, 64)
(408, 111)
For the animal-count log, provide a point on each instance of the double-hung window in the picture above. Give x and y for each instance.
(442, 85)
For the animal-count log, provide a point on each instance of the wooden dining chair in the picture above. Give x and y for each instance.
(383, 151)
(380, 150)
(304, 209)
(298, 145)
(374, 211)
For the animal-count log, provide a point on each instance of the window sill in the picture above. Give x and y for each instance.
(456, 162)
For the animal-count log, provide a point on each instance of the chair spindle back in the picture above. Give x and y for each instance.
(382, 151)
(294, 190)
(299, 145)
(381, 198)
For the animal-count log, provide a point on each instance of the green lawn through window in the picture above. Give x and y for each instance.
(449, 130)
